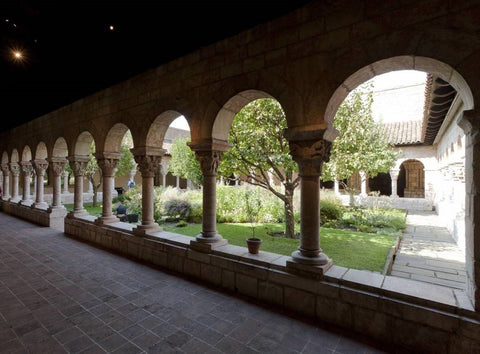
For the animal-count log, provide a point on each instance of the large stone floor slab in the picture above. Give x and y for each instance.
(58, 295)
(428, 253)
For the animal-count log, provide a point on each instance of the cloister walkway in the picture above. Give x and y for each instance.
(60, 295)
(428, 253)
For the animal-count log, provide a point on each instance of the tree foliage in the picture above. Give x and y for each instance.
(183, 163)
(259, 153)
(127, 161)
(362, 145)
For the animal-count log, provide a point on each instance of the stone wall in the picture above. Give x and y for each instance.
(420, 317)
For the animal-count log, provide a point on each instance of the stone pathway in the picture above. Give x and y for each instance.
(58, 295)
(428, 253)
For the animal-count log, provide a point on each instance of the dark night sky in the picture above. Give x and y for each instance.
(70, 52)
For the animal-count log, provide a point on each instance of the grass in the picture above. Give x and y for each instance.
(97, 211)
(351, 249)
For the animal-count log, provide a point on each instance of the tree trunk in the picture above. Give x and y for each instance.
(289, 215)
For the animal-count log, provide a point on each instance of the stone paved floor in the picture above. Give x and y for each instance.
(59, 295)
(428, 253)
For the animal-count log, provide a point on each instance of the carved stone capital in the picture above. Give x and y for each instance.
(209, 161)
(58, 166)
(27, 168)
(5, 169)
(148, 164)
(15, 169)
(108, 166)
(394, 173)
(79, 165)
(40, 166)
(310, 155)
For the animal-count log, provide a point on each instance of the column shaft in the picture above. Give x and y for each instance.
(27, 173)
(394, 177)
(58, 167)
(6, 184)
(78, 165)
(108, 164)
(40, 168)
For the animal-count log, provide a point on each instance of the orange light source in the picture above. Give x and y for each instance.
(18, 55)
(111, 28)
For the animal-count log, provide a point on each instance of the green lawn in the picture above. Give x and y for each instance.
(97, 211)
(349, 249)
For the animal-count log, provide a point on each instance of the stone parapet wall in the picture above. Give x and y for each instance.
(45, 217)
(420, 204)
(420, 317)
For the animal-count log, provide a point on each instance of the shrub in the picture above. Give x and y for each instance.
(331, 209)
(177, 208)
(181, 223)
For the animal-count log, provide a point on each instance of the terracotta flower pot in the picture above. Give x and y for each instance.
(253, 244)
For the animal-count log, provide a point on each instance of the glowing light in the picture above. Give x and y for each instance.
(17, 55)
(111, 27)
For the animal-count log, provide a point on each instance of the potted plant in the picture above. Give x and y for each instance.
(253, 244)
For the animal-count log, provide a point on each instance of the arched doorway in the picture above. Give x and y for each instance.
(411, 180)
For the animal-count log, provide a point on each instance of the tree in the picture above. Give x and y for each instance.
(362, 145)
(91, 171)
(127, 161)
(183, 163)
(260, 153)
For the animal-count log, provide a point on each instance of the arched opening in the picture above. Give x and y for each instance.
(411, 179)
(429, 169)
(175, 141)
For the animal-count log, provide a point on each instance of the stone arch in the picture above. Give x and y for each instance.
(82, 144)
(113, 139)
(411, 179)
(226, 114)
(60, 148)
(158, 128)
(41, 152)
(410, 62)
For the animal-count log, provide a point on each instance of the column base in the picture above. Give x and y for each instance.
(143, 230)
(27, 203)
(104, 220)
(42, 205)
(309, 267)
(77, 213)
(207, 244)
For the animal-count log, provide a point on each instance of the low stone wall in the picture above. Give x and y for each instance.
(417, 316)
(420, 204)
(46, 217)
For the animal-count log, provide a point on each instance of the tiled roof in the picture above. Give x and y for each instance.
(404, 133)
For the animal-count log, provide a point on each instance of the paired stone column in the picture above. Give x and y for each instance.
(15, 170)
(40, 168)
(148, 160)
(336, 187)
(27, 170)
(209, 156)
(108, 163)
(65, 182)
(310, 151)
(78, 165)
(394, 176)
(58, 166)
(6, 182)
(164, 170)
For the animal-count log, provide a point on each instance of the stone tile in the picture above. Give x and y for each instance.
(146, 340)
(133, 331)
(68, 335)
(112, 342)
(79, 344)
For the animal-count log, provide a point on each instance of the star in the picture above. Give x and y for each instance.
(111, 27)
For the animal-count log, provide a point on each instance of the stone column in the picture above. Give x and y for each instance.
(65, 176)
(27, 170)
(363, 184)
(148, 160)
(394, 176)
(164, 170)
(6, 181)
(336, 187)
(108, 163)
(310, 151)
(34, 178)
(58, 166)
(177, 180)
(40, 168)
(78, 165)
(209, 155)
(15, 170)
(470, 123)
